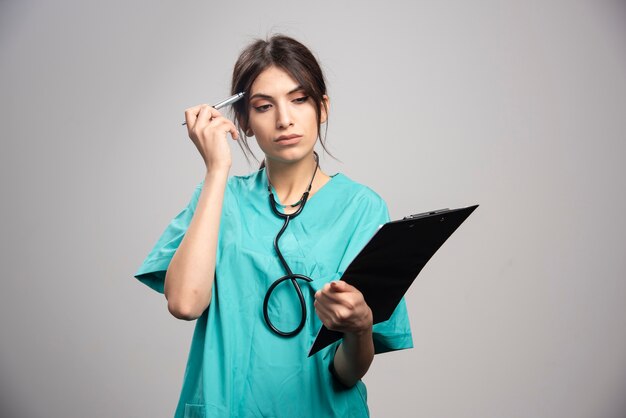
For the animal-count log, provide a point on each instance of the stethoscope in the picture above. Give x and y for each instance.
(290, 275)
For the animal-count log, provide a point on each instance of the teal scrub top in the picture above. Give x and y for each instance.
(237, 367)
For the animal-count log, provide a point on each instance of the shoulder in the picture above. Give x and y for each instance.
(248, 182)
(358, 199)
(356, 190)
(236, 184)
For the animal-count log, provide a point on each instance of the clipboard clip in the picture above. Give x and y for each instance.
(429, 213)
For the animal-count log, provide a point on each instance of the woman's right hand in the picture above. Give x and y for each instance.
(207, 129)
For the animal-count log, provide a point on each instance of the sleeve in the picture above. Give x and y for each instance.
(394, 333)
(153, 268)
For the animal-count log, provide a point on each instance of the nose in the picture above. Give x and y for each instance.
(283, 117)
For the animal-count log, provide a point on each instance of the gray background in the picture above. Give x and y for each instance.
(517, 105)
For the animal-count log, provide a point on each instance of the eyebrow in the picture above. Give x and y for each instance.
(268, 97)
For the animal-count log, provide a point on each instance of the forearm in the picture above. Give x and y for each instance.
(354, 357)
(190, 275)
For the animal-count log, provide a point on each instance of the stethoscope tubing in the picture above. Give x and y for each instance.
(289, 276)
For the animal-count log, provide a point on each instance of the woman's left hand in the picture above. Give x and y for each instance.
(341, 307)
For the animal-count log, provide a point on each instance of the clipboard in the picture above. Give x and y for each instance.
(389, 263)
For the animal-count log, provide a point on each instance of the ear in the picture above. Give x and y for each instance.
(324, 109)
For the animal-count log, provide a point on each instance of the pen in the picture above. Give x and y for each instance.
(225, 102)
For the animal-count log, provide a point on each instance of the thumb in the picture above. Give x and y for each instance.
(339, 286)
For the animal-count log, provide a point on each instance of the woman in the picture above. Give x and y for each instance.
(259, 303)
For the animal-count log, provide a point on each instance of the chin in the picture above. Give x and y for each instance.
(290, 155)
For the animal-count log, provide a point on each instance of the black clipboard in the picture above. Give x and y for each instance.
(389, 263)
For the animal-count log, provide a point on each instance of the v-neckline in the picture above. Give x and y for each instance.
(325, 186)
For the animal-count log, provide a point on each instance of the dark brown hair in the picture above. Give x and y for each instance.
(289, 55)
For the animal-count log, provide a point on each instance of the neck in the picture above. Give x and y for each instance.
(290, 180)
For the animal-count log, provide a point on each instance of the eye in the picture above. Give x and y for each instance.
(301, 99)
(262, 108)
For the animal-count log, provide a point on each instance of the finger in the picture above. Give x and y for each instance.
(341, 286)
(321, 308)
(325, 315)
(339, 302)
(323, 289)
(191, 115)
(338, 292)
(208, 113)
(336, 286)
(327, 296)
(336, 318)
(223, 124)
(325, 300)
(234, 132)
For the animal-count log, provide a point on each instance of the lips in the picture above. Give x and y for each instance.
(288, 139)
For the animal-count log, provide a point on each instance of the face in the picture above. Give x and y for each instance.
(282, 117)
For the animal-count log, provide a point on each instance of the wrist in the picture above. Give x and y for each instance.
(366, 325)
(364, 333)
(218, 164)
(217, 172)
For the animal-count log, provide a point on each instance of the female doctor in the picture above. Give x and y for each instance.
(256, 259)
